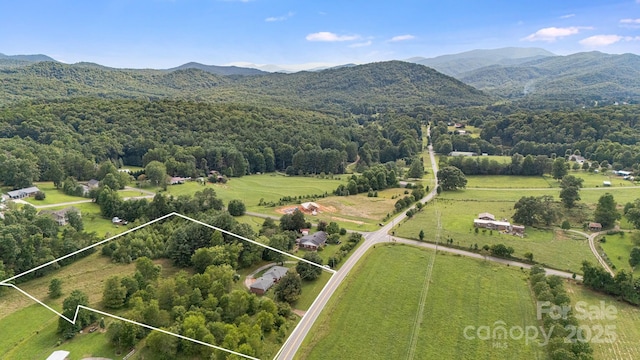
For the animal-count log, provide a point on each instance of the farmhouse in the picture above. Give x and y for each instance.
(313, 241)
(463, 153)
(93, 184)
(594, 226)
(60, 216)
(176, 180)
(23, 193)
(268, 279)
(577, 158)
(488, 221)
(492, 224)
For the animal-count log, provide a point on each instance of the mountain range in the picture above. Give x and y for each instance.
(511, 73)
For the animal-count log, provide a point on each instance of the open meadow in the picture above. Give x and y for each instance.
(618, 249)
(375, 313)
(555, 248)
(625, 323)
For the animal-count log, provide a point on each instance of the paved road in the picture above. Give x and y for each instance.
(294, 341)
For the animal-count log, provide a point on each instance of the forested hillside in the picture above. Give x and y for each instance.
(577, 78)
(379, 85)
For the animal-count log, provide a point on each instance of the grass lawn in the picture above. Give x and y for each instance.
(558, 249)
(311, 290)
(507, 182)
(618, 248)
(270, 187)
(94, 221)
(54, 196)
(372, 315)
(626, 322)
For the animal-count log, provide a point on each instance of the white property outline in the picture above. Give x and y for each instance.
(6, 283)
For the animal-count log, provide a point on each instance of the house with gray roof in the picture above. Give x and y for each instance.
(23, 193)
(313, 241)
(60, 216)
(268, 279)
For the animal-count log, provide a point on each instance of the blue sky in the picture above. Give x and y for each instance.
(168, 33)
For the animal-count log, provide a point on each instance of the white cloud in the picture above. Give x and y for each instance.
(567, 16)
(326, 36)
(600, 40)
(552, 34)
(604, 40)
(630, 23)
(279, 18)
(402, 38)
(362, 44)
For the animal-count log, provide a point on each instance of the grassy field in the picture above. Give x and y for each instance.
(558, 249)
(54, 195)
(373, 313)
(618, 248)
(94, 221)
(626, 322)
(33, 328)
(269, 187)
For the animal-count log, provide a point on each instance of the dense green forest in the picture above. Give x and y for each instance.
(604, 134)
(52, 140)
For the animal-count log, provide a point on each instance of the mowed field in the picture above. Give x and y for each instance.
(558, 249)
(625, 323)
(618, 249)
(373, 313)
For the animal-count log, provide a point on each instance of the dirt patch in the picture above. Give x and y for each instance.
(288, 209)
(347, 220)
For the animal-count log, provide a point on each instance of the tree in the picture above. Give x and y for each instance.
(559, 168)
(632, 213)
(528, 256)
(69, 306)
(634, 258)
(421, 235)
(531, 210)
(451, 178)
(569, 196)
(606, 213)
(566, 225)
(114, 293)
(164, 347)
(55, 288)
(122, 334)
(156, 173)
(416, 170)
(148, 269)
(307, 271)
(75, 220)
(289, 287)
(333, 228)
(236, 208)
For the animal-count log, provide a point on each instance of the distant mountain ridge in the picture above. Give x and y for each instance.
(590, 75)
(9, 61)
(456, 64)
(219, 70)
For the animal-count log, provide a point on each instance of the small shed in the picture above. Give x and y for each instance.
(594, 226)
(606, 183)
(517, 229)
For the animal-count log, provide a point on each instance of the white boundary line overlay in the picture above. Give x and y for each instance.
(6, 283)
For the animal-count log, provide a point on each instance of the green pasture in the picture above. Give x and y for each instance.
(618, 248)
(624, 322)
(555, 248)
(53, 195)
(373, 313)
(269, 187)
(509, 182)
